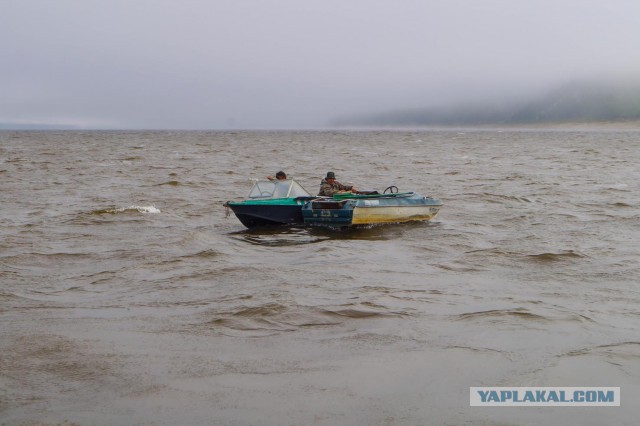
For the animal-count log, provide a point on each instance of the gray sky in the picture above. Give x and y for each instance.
(208, 64)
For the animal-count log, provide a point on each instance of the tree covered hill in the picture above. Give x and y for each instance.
(576, 102)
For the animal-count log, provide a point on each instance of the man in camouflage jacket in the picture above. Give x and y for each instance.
(330, 186)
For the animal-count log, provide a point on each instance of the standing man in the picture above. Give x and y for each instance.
(279, 176)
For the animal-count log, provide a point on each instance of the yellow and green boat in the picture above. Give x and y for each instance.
(346, 209)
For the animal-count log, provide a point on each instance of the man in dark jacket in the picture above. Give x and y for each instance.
(330, 186)
(279, 176)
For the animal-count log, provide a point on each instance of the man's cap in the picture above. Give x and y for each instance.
(330, 175)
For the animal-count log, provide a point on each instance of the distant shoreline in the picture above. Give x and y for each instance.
(578, 126)
(622, 125)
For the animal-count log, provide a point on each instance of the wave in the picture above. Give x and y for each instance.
(357, 313)
(627, 349)
(129, 209)
(458, 266)
(278, 317)
(523, 314)
(208, 253)
(554, 257)
(501, 313)
(536, 257)
(498, 198)
(7, 296)
(622, 187)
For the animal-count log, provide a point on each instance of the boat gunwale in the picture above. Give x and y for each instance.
(347, 195)
(289, 201)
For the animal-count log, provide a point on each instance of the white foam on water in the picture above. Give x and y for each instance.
(140, 209)
(143, 209)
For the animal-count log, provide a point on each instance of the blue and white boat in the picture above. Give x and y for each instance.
(271, 202)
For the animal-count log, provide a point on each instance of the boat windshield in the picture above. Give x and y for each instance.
(277, 189)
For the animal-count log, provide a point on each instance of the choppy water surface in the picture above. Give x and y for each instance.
(127, 296)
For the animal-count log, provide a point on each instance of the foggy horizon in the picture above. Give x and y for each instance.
(295, 65)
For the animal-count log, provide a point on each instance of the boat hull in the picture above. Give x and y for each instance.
(396, 208)
(393, 214)
(254, 214)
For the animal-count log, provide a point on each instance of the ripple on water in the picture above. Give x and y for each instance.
(278, 317)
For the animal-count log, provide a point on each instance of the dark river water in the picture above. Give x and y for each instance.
(127, 296)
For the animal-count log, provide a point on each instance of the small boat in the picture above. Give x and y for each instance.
(347, 209)
(271, 202)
